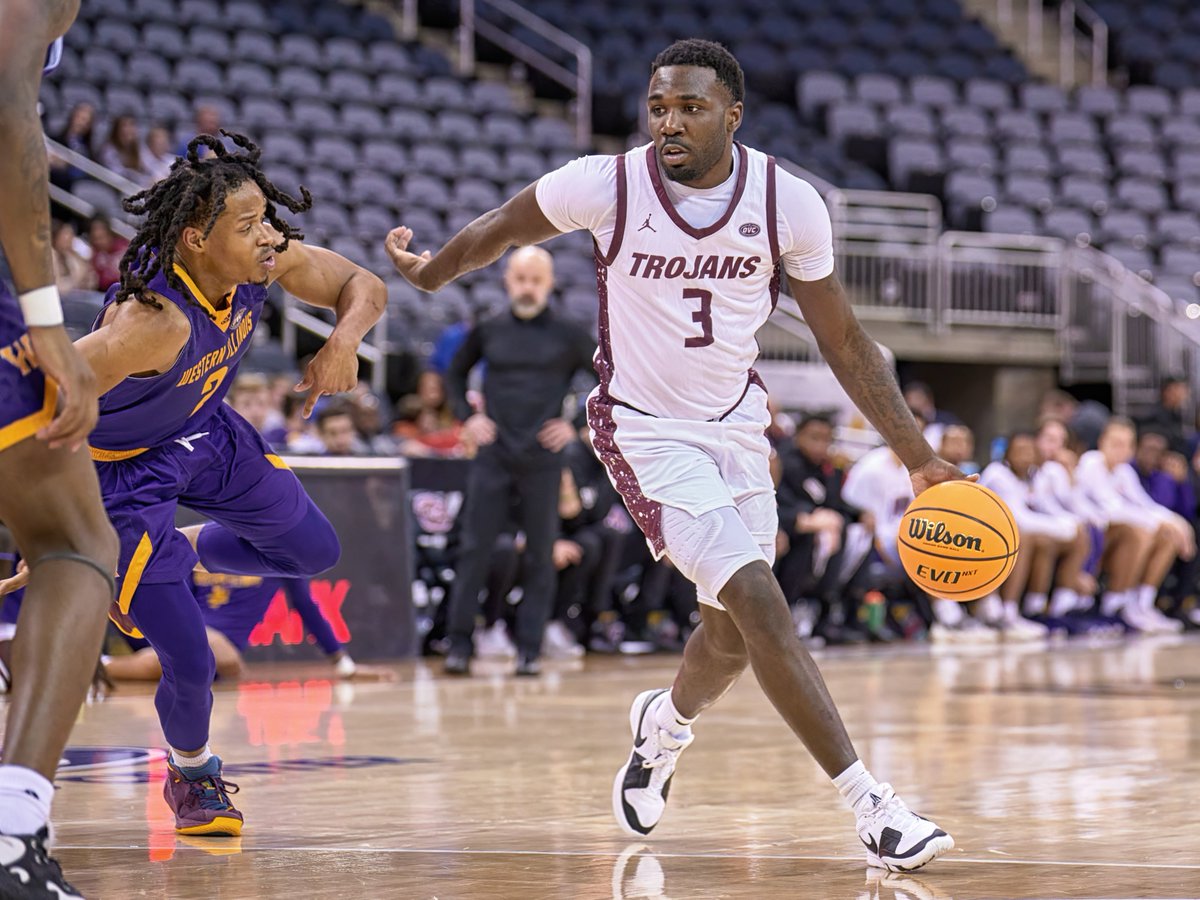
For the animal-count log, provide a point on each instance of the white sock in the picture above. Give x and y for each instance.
(1035, 604)
(948, 613)
(855, 784)
(990, 608)
(1011, 611)
(192, 762)
(1062, 601)
(668, 718)
(1112, 602)
(1146, 595)
(25, 797)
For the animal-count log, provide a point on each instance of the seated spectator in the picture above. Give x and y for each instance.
(919, 397)
(1086, 420)
(335, 428)
(364, 410)
(207, 121)
(157, 156)
(1050, 543)
(958, 448)
(107, 249)
(424, 422)
(1169, 418)
(823, 554)
(250, 399)
(123, 151)
(77, 136)
(1112, 485)
(298, 434)
(71, 271)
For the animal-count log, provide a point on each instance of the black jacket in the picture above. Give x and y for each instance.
(530, 365)
(805, 487)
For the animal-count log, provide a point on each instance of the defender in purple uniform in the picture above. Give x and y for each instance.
(50, 499)
(165, 349)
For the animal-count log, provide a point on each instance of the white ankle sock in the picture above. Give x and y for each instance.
(1062, 601)
(192, 762)
(1146, 595)
(854, 785)
(948, 613)
(668, 718)
(1112, 602)
(990, 609)
(1035, 604)
(25, 797)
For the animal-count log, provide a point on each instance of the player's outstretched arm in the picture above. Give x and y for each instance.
(867, 378)
(517, 223)
(323, 278)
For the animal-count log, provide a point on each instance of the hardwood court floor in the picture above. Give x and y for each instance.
(1073, 772)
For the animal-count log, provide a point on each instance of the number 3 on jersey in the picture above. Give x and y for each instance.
(210, 386)
(702, 317)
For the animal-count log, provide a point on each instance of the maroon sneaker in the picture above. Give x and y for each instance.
(201, 804)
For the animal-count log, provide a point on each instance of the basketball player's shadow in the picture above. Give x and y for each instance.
(638, 875)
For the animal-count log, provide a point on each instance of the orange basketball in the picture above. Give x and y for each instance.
(958, 541)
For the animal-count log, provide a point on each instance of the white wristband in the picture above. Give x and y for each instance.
(41, 307)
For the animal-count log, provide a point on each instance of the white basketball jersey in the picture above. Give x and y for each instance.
(680, 306)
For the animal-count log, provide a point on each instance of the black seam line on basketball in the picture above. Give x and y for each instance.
(962, 559)
(956, 512)
(1000, 505)
(1004, 573)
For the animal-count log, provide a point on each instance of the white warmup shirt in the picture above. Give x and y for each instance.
(1056, 494)
(687, 276)
(1119, 493)
(880, 483)
(1018, 495)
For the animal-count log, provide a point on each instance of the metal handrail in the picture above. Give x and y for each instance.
(92, 168)
(85, 210)
(580, 81)
(1072, 14)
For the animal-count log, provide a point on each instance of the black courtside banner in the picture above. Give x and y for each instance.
(367, 596)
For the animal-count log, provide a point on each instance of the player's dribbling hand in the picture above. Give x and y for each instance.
(18, 580)
(407, 264)
(78, 410)
(333, 370)
(935, 471)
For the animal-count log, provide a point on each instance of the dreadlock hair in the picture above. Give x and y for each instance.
(706, 55)
(193, 193)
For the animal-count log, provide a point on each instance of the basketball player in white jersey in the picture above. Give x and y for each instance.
(694, 233)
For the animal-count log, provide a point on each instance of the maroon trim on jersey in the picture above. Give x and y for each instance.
(772, 217)
(646, 512)
(752, 377)
(665, 199)
(619, 230)
(773, 235)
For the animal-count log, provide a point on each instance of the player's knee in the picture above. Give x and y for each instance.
(325, 549)
(308, 549)
(188, 667)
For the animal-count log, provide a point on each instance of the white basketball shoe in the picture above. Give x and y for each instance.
(642, 784)
(896, 838)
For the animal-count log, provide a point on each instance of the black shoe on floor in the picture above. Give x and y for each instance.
(528, 666)
(28, 872)
(457, 664)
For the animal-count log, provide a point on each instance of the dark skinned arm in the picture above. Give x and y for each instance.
(517, 223)
(27, 27)
(322, 278)
(868, 379)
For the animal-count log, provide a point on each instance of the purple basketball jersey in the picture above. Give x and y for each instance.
(148, 412)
